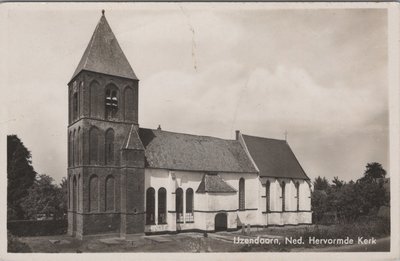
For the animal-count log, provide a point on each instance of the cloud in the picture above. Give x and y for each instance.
(285, 97)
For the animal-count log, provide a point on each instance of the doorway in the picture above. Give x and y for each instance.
(221, 222)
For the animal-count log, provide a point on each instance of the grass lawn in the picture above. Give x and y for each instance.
(217, 242)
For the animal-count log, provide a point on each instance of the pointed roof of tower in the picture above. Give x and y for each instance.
(104, 55)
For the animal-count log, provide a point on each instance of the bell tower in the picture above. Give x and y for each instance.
(105, 154)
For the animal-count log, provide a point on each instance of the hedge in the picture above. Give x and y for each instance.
(29, 228)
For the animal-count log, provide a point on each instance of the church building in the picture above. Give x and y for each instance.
(124, 179)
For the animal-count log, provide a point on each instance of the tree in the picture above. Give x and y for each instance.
(43, 197)
(62, 199)
(321, 183)
(373, 172)
(319, 203)
(337, 183)
(20, 175)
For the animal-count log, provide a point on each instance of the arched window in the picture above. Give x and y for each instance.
(70, 102)
(69, 187)
(110, 193)
(189, 205)
(74, 199)
(283, 196)
(111, 101)
(129, 104)
(78, 194)
(75, 106)
(78, 145)
(267, 196)
(73, 148)
(70, 149)
(95, 102)
(150, 206)
(162, 206)
(93, 194)
(80, 98)
(242, 204)
(179, 205)
(109, 149)
(94, 146)
(297, 196)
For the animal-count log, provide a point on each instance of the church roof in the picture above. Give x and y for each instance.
(104, 55)
(274, 158)
(213, 183)
(178, 151)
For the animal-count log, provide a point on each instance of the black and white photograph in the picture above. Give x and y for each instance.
(184, 128)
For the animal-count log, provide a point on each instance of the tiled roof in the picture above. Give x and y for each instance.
(132, 140)
(213, 183)
(178, 151)
(274, 158)
(104, 55)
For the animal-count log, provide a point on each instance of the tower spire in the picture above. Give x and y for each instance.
(104, 55)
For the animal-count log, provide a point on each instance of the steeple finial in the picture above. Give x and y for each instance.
(102, 12)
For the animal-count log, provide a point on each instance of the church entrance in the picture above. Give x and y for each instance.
(221, 222)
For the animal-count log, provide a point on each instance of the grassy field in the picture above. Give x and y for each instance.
(216, 242)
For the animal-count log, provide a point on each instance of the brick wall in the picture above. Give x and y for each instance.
(128, 196)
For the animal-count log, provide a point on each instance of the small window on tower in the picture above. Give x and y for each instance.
(111, 103)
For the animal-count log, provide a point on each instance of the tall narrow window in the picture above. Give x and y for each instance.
(81, 147)
(69, 186)
(129, 104)
(162, 206)
(267, 196)
(179, 205)
(95, 102)
(73, 148)
(283, 195)
(80, 98)
(93, 146)
(78, 193)
(75, 106)
(297, 195)
(74, 198)
(78, 145)
(189, 205)
(110, 193)
(70, 105)
(109, 149)
(242, 205)
(94, 193)
(70, 149)
(150, 206)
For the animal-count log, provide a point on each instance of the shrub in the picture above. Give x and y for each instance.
(26, 228)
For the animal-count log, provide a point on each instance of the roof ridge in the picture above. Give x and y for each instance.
(265, 138)
(188, 134)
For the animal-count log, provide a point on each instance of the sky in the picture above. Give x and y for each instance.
(211, 69)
